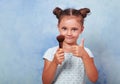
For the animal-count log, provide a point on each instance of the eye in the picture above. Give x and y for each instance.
(74, 29)
(64, 28)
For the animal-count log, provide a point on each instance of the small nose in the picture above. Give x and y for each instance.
(69, 32)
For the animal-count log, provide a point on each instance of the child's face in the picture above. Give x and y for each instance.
(70, 27)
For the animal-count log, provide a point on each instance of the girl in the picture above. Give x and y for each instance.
(69, 64)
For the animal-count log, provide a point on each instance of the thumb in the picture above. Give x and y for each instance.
(82, 43)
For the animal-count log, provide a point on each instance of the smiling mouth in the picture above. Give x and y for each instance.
(69, 37)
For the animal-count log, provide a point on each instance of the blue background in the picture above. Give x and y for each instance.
(28, 28)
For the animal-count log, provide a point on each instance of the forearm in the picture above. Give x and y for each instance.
(49, 73)
(90, 68)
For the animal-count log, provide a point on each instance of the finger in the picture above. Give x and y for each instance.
(61, 60)
(74, 48)
(75, 54)
(82, 43)
(61, 55)
(60, 51)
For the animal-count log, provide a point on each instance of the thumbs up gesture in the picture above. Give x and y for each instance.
(78, 50)
(82, 43)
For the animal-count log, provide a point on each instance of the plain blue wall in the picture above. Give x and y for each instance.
(28, 28)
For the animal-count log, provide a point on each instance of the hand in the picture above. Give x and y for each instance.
(59, 56)
(78, 50)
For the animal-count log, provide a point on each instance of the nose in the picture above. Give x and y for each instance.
(69, 32)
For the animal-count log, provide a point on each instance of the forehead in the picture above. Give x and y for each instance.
(70, 21)
(70, 18)
(77, 18)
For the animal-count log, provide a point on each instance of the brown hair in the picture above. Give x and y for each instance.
(82, 13)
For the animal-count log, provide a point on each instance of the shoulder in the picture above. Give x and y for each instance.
(49, 53)
(52, 49)
(89, 52)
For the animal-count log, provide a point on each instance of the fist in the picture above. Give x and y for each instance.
(59, 56)
(78, 50)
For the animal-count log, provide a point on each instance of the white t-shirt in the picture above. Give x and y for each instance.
(71, 71)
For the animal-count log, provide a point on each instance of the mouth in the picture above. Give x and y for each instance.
(69, 37)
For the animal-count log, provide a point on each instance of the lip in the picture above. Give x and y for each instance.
(69, 37)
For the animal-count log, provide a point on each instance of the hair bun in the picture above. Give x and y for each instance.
(84, 12)
(57, 11)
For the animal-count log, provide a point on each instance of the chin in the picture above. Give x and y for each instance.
(70, 42)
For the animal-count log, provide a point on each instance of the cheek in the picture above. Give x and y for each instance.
(76, 36)
(62, 32)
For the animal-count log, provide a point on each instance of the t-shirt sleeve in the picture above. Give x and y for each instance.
(89, 52)
(49, 54)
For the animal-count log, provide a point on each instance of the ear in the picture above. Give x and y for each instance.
(82, 29)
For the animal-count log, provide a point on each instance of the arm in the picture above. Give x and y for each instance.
(90, 68)
(89, 65)
(50, 67)
(48, 72)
